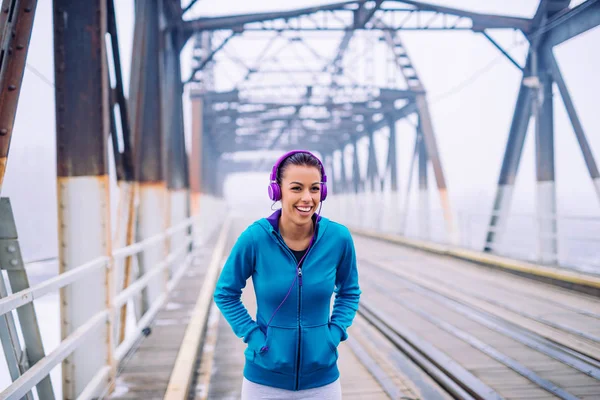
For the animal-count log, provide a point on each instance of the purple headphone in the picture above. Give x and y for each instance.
(275, 189)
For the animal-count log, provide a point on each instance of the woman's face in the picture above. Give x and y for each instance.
(300, 192)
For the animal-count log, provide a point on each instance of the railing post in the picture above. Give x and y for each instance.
(82, 128)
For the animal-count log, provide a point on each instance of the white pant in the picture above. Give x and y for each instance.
(254, 391)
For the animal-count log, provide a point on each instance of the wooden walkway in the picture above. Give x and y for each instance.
(519, 337)
(145, 373)
(507, 336)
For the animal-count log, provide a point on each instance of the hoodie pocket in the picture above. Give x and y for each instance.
(318, 349)
(256, 341)
(281, 353)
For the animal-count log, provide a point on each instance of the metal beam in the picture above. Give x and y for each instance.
(510, 162)
(150, 149)
(584, 145)
(127, 154)
(372, 169)
(189, 6)
(391, 162)
(423, 207)
(480, 21)
(545, 167)
(82, 127)
(16, 34)
(209, 57)
(571, 23)
(177, 169)
(343, 175)
(232, 21)
(512, 60)
(149, 143)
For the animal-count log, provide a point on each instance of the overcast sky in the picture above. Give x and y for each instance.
(471, 87)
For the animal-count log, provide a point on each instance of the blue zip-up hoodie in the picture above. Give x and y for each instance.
(298, 349)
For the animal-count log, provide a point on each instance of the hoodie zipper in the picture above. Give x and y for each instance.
(299, 309)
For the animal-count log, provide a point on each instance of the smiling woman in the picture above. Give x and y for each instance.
(292, 345)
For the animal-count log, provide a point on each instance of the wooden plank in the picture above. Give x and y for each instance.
(145, 373)
(180, 381)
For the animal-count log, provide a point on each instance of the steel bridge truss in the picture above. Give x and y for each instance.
(324, 102)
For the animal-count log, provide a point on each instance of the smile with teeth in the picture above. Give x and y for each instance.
(303, 209)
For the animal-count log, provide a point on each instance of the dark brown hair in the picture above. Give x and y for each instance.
(298, 159)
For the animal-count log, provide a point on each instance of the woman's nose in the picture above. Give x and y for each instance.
(306, 195)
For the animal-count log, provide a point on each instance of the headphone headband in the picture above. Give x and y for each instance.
(291, 153)
(275, 190)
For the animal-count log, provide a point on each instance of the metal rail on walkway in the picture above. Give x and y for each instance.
(114, 301)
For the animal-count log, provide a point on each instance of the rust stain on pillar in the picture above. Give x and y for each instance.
(14, 51)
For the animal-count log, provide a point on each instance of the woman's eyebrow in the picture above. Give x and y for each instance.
(301, 184)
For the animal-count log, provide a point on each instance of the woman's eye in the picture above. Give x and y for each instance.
(296, 188)
(316, 189)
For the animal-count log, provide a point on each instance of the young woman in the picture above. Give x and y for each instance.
(297, 260)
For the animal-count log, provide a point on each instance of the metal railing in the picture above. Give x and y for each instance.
(41, 369)
(517, 235)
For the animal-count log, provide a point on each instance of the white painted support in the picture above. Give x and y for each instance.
(424, 231)
(546, 222)
(152, 221)
(195, 204)
(504, 197)
(84, 235)
(125, 268)
(178, 204)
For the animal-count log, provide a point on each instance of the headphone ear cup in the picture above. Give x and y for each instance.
(323, 191)
(274, 192)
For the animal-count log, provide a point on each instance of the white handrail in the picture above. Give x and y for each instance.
(41, 369)
(23, 297)
(526, 236)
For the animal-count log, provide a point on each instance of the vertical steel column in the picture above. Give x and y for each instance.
(218, 176)
(510, 163)
(197, 154)
(343, 176)
(209, 165)
(372, 172)
(577, 127)
(415, 155)
(82, 127)
(355, 168)
(331, 172)
(125, 232)
(204, 159)
(177, 171)
(423, 187)
(391, 156)
(15, 35)
(430, 141)
(406, 68)
(544, 161)
(150, 154)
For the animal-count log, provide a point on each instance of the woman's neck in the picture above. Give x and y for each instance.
(290, 230)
